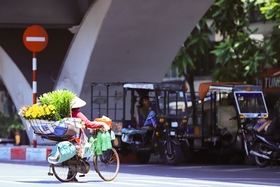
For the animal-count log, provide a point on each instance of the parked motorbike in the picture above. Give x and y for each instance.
(265, 149)
(238, 145)
(246, 128)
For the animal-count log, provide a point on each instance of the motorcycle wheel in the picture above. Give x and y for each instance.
(174, 157)
(261, 162)
(143, 157)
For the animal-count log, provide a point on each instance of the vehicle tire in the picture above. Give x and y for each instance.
(143, 157)
(175, 157)
(261, 162)
(107, 165)
(249, 160)
(61, 171)
(187, 152)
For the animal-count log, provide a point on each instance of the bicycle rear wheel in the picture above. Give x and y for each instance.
(62, 171)
(107, 165)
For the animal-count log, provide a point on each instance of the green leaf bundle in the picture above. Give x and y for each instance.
(61, 99)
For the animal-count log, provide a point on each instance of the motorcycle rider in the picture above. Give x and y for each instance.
(145, 107)
(147, 112)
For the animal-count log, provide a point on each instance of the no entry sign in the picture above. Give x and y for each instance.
(35, 38)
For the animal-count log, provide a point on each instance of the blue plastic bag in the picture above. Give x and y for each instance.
(60, 131)
(61, 152)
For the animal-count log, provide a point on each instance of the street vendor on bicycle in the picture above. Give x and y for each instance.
(76, 104)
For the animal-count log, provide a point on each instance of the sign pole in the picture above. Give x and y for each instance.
(35, 39)
(34, 89)
(34, 79)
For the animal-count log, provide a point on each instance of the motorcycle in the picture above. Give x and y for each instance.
(246, 127)
(265, 149)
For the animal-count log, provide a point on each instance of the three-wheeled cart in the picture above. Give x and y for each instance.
(227, 112)
(120, 101)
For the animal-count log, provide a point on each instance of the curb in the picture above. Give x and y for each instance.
(24, 153)
(39, 154)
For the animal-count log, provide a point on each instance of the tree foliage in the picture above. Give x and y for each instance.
(239, 57)
(271, 10)
(196, 45)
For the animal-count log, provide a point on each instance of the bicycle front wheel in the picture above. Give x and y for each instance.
(107, 165)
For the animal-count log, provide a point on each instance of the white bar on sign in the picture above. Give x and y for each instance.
(35, 39)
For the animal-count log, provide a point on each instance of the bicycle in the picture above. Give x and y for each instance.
(106, 165)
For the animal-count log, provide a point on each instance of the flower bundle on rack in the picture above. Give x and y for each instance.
(61, 99)
(37, 111)
(52, 106)
(50, 115)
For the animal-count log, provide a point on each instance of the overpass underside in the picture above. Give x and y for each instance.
(113, 41)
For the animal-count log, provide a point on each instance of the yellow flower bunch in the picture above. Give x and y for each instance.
(37, 111)
(52, 106)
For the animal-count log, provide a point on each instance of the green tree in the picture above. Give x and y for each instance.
(271, 10)
(238, 56)
(196, 45)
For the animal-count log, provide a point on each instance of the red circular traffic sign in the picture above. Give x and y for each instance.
(35, 38)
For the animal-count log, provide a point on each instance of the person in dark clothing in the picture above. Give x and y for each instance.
(267, 127)
(147, 112)
(145, 107)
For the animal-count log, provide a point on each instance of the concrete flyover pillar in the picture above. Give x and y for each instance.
(16, 84)
(79, 53)
(117, 41)
(127, 41)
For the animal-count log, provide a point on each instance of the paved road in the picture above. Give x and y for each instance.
(154, 175)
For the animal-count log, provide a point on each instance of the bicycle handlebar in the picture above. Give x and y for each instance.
(233, 118)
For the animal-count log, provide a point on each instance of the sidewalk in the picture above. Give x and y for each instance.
(40, 153)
